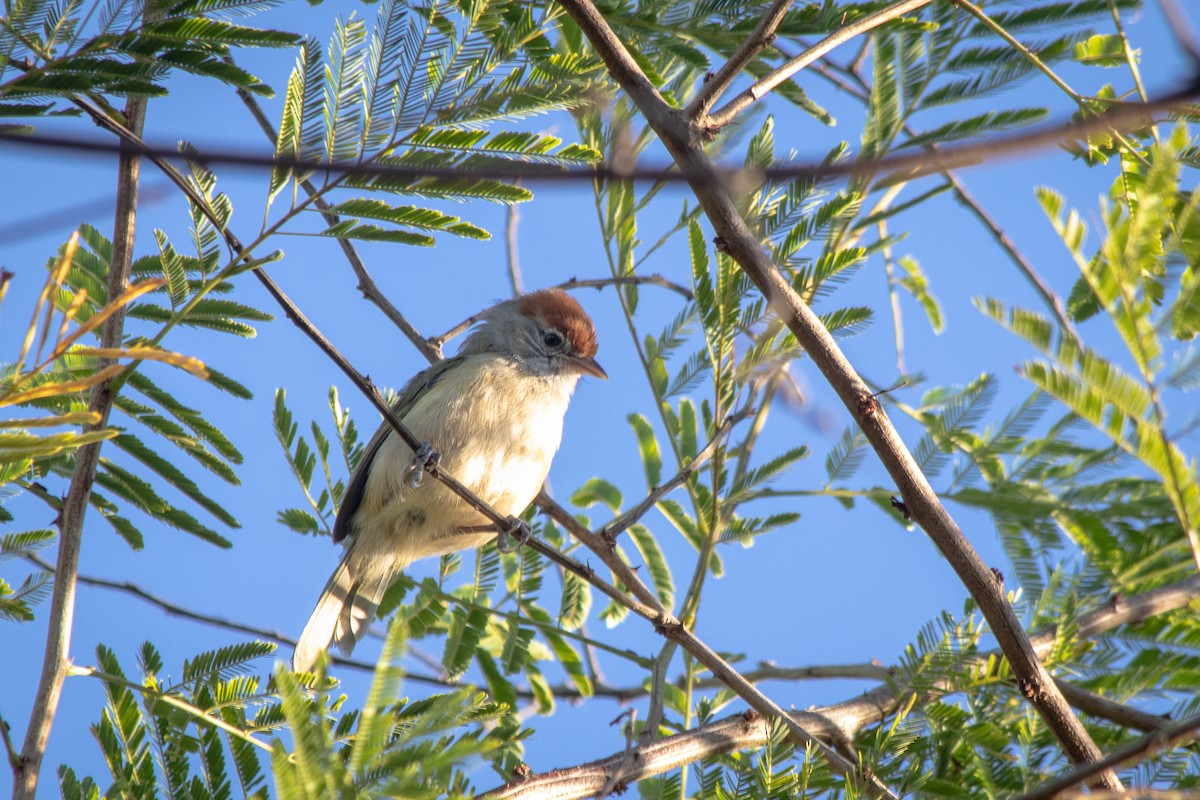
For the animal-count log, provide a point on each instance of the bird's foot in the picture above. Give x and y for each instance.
(516, 534)
(425, 458)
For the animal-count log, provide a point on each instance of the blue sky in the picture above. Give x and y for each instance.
(839, 586)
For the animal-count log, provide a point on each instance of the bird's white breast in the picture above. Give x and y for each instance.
(497, 429)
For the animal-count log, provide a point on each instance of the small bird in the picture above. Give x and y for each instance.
(491, 417)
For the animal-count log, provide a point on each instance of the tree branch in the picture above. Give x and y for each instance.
(1119, 116)
(56, 661)
(628, 280)
(683, 141)
(760, 39)
(512, 255)
(727, 113)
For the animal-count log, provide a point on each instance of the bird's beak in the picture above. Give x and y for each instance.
(588, 366)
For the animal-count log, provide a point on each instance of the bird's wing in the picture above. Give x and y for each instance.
(420, 383)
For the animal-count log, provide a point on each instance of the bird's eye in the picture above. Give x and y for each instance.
(552, 339)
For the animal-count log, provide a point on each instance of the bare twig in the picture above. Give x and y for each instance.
(511, 219)
(628, 280)
(56, 661)
(1110, 710)
(682, 139)
(1132, 753)
(1048, 295)
(759, 39)
(727, 113)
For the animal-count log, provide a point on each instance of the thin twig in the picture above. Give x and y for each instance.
(621, 524)
(177, 610)
(512, 217)
(653, 279)
(56, 660)
(759, 39)
(1044, 68)
(727, 113)
(1103, 708)
(192, 711)
(1048, 295)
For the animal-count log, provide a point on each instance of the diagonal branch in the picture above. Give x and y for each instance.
(727, 113)
(683, 140)
(759, 39)
(1118, 117)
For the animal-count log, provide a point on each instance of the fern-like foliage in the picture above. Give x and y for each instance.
(218, 731)
(151, 425)
(421, 88)
(52, 52)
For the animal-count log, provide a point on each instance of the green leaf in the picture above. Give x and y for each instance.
(647, 449)
(1102, 50)
(918, 286)
(987, 122)
(23, 543)
(348, 229)
(660, 571)
(598, 490)
(408, 216)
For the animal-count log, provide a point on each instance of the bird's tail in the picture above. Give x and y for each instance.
(342, 616)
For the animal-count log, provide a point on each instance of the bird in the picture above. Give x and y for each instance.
(491, 417)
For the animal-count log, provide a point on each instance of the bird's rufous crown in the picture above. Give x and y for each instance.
(557, 309)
